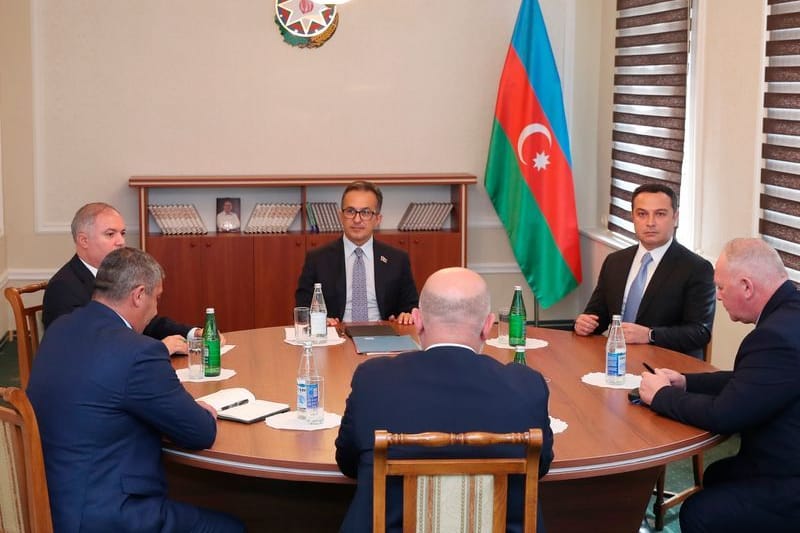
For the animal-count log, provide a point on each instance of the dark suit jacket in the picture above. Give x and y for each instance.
(72, 287)
(394, 283)
(760, 398)
(104, 397)
(446, 388)
(678, 303)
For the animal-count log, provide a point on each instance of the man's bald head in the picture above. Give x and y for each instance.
(454, 306)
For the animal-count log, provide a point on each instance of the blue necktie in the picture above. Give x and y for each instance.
(636, 291)
(359, 302)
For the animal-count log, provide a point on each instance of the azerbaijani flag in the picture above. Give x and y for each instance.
(529, 171)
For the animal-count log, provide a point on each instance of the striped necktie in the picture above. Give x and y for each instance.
(359, 302)
(637, 290)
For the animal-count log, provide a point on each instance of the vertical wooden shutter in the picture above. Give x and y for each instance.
(780, 173)
(652, 42)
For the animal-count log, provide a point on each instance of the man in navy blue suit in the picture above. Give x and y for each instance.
(759, 488)
(449, 386)
(105, 396)
(390, 292)
(97, 229)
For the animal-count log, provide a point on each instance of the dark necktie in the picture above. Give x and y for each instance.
(636, 291)
(359, 302)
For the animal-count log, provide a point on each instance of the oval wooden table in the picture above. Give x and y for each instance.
(605, 465)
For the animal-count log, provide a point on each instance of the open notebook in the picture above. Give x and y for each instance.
(240, 405)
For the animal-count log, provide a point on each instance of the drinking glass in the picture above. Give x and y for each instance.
(302, 324)
(315, 400)
(502, 325)
(195, 360)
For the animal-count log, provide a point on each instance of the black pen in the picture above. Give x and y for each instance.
(234, 404)
(649, 368)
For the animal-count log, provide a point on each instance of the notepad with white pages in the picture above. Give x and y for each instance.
(240, 405)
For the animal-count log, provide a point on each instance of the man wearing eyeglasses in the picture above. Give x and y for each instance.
(363, 280)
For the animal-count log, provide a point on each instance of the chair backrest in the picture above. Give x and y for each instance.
(27, 323)
(24, 502)
(430, 482)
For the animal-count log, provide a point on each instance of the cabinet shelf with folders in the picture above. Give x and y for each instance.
(250, 277)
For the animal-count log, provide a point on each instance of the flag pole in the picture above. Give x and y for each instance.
(535, 311)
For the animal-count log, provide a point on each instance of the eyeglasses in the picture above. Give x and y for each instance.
(365, 213)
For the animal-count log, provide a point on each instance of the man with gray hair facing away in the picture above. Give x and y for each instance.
(105, 397)
(759, 488)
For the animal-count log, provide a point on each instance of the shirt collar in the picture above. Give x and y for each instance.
(350, 247)
(92, 269)
(438, 344)
(656, 253)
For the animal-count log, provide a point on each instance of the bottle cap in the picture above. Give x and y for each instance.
(517, 287)
(318, 285)
(209, 310)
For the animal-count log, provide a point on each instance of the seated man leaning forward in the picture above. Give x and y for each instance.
(105, 397)
(362, 279)
(97, 229)
(664, 292)
(449, 386)
(759, 488)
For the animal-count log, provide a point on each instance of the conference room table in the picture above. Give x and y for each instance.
(606, 461)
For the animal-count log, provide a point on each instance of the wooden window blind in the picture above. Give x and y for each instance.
(779, 224)
(650, 68)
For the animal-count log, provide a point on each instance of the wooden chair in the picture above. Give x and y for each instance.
(25, 505)
(665, 501)
(486, 480)
(27, 323)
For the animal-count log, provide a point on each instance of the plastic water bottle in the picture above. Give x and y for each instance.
(616, 353)
(517, 318)
(306, 396)
(211, 359)
(319, 316)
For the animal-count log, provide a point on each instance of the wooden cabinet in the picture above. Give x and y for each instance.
(206, 271)
(250, 279)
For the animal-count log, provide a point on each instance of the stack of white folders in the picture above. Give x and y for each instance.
(240, 405)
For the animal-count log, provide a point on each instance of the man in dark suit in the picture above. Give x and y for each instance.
(676, 301)
(759, 488)
(389, 292)
(105, 396)
(449, 386)
(97, 229)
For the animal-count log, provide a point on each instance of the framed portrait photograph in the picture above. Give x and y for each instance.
(229, 212)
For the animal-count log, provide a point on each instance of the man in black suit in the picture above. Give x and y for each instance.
(677, 302)
(98, 229)
(389, 289)
(759, 488)
(449, 386)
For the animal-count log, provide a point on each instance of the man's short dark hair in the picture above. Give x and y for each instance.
(123, 270)
(364, 186)
(655, 188)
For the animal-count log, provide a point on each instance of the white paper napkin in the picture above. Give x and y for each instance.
(530, 344)
(332, 340)
(227, 348)
(598, 379)
(225, 373)
(557, 425)
(289, 420)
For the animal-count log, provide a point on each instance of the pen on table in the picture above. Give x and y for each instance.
(649, 368)
(234, 404)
